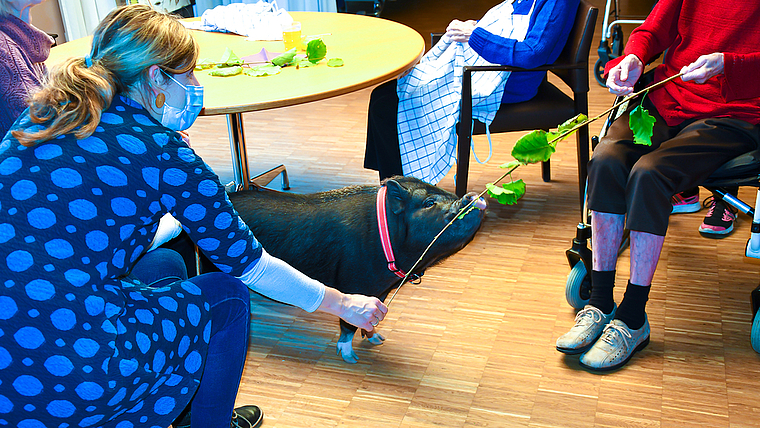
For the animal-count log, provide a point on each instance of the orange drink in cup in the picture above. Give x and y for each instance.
(291, 35)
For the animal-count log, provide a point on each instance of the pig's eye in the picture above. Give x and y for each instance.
(429, 203)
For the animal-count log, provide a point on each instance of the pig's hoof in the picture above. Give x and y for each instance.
(376, 339)
(346, 351)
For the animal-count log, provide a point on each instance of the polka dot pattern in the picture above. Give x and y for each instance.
(81, 342)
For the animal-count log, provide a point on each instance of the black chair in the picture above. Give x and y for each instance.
(548, 109)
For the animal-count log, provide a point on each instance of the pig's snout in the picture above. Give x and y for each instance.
(480, 203)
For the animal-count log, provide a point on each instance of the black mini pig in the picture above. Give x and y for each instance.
(333, 236)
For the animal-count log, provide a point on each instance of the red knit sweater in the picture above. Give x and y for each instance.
(689, 29)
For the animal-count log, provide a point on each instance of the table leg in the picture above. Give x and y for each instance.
(237, 149)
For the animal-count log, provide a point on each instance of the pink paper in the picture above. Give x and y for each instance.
(261, 57)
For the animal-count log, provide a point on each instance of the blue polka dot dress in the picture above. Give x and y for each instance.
(81, 343)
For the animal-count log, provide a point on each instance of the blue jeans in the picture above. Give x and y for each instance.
(229, 299)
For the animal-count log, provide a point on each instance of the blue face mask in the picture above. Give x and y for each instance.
(179, 119)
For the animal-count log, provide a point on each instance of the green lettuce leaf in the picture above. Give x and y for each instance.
(229, 59)
(511, 164)
(508, 193)
(642, 125)
(226, 72)
(335, 62)
(262, 70)
(316, 50)
(204, 64)
(533, 147)
(285, 58)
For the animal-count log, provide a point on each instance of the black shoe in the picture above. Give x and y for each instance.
(242, 417)
(247, 417)
(719, 221)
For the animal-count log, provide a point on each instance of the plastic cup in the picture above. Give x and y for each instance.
(291, 35)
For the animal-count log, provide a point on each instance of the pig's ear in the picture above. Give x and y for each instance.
(397, 196)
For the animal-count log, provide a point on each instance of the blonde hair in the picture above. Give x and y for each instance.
(125, 44)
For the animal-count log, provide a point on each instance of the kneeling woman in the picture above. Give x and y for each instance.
(91, 334)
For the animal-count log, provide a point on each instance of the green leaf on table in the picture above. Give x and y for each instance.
(285, 58)
(316, 50)
(262, 70)
(226, 72)
(302, 62)
(642, 125)
(508, 193)
(229, 59)
(335, 62)
(533, 147)
(204, 64)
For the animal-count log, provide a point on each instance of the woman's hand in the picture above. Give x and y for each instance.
(358, 310)
(624, 75)
(460, 31)
(704, 68)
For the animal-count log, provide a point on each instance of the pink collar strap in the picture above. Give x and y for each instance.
(385, 237)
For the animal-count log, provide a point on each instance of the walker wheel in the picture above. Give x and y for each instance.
(755, 335)
(578, 287)
(599, 72)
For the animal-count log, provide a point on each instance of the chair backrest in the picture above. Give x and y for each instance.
(578, 48)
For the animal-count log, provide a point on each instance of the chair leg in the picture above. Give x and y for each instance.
(463, 160)
(266, 177)
(546, 171)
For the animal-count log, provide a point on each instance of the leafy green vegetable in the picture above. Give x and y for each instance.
(229, 59)
(227, 71)
(262, 70)
(316, 50)
(335, 62)
(285, 58)
(642, 125)
(508, 193)
(533, 147)
(511, 164)
(302, 62)
(203, 64)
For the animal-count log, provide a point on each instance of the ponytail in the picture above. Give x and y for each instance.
(125, 44)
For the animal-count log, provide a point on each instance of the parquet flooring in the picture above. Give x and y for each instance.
(473, 344)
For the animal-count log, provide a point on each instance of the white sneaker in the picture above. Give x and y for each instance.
(616, 346)
(589, 323)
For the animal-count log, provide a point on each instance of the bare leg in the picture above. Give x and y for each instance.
(606, 235)
(645, 253)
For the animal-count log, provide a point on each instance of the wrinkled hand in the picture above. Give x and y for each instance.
(362, 311)
(704, 68)
(624, 75)
(460, 31)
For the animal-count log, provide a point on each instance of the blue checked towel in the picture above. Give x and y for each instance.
(430, 96)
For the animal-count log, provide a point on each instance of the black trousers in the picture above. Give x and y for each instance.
(382, 152)
(638, 181)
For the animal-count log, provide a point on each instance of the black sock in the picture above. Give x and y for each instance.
(602, 284)
(632, 309)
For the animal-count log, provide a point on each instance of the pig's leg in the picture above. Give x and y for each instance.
(345, 346)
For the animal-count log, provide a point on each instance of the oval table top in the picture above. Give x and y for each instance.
(373, 50)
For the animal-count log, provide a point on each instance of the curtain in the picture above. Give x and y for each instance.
(289, 5)
(80, 17)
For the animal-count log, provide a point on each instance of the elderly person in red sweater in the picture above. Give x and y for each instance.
(704, 119)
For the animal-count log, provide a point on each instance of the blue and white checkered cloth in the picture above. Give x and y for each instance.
(430, 97)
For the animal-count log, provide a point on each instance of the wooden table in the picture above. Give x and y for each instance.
(373, 50)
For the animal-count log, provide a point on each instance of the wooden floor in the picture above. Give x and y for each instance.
(473, 344)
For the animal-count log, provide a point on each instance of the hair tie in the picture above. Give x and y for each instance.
(88, 61)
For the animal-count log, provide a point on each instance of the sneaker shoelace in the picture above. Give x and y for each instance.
(609, 336)
(595, 314)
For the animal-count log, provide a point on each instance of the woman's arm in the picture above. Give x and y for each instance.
(550, 25)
